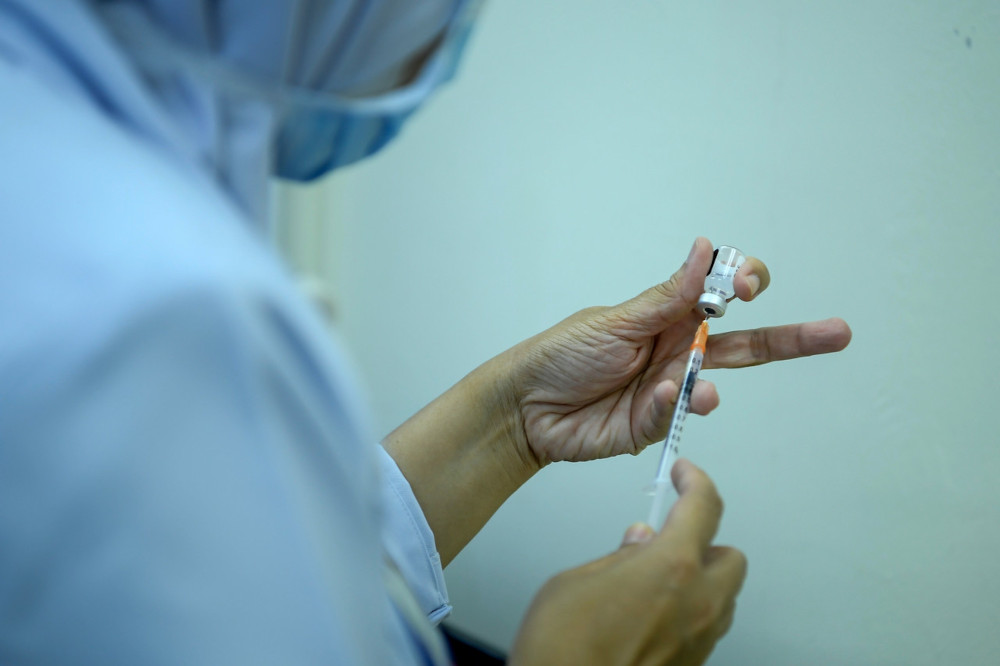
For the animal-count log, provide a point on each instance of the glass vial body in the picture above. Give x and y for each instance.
(719, 283)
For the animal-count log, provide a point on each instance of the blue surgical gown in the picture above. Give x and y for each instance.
(186, 475)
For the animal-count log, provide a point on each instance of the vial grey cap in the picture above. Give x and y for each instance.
(712, 305)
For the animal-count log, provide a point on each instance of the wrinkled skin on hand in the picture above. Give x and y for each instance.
(663, 599)
(604, 381)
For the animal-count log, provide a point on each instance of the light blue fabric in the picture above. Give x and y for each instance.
(184, 475)
(302, 105)
(247, 90)
(416, 556)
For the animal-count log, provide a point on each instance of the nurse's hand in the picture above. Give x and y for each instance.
(661, 599)
(605, 380)
(600, 383)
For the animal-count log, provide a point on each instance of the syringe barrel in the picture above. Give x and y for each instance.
(671, 444)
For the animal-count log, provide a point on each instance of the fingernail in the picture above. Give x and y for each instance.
(637, 533)
(754, 283)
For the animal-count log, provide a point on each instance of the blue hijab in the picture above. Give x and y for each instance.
(291, 88)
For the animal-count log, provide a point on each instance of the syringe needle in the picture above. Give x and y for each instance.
(661, 485)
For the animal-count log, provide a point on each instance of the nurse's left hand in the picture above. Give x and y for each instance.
(605, 380)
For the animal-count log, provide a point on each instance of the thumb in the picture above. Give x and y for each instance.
(659, 306)
(638, 533)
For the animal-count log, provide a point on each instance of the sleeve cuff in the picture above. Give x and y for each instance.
(408, 540)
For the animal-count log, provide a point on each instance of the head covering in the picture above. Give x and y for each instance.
(292, 88)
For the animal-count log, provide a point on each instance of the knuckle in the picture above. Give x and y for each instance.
(741, 562)
(760, 350)
(710, 495)
(705, 613)
(673, 289)
(583, 317)
(741, 572)
(683, 572)
(715, 501)
(725, 621)
(668, 289)
(561, 581)
(591, 312)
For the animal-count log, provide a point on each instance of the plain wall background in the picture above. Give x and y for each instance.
(855, 147)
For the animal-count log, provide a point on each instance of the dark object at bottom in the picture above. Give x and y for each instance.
(466, 650)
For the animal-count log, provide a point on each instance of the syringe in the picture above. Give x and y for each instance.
(662, 485)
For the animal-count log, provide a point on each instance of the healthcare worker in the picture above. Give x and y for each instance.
(184, 476)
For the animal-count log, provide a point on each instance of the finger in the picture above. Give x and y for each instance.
(637, 533)
(740, 349)
(751, 279)
(726, 569)
(694, 518)
(661, 305)
(704, 643)
(704, 398)
(655, 421)
(725, 621)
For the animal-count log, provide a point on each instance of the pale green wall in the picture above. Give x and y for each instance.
(855, 146)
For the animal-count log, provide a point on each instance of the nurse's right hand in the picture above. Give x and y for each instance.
(661, 599)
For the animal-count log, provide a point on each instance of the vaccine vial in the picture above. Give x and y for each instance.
(719, 283)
